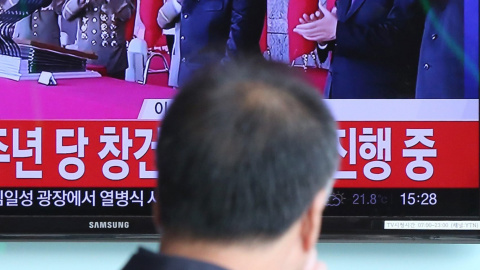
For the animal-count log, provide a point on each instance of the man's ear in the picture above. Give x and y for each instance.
(312, 220)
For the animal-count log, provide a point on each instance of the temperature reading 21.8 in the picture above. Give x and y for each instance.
(369, 199)
(419, 199)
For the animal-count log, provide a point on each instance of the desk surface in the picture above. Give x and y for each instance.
(75, 99)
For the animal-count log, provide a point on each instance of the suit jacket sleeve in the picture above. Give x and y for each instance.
(405, 17)
(323, 53)
(245, 27)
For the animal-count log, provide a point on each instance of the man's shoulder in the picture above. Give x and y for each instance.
(147, 260)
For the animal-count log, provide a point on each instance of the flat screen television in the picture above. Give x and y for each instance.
(77, 159)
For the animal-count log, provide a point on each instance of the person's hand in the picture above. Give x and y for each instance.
(334, 12)
(313, 263)
(310, 18)
(320, 30)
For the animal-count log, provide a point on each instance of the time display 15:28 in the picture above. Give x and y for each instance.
(412, 198)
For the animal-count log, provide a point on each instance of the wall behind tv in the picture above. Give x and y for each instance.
(113, 255)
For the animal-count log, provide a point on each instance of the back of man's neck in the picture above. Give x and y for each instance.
(229, 256)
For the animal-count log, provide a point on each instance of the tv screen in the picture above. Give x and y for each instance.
(77, 149)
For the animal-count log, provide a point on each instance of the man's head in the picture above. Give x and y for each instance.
(245, 151)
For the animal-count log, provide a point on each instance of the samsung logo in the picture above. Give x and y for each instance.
(108, 225)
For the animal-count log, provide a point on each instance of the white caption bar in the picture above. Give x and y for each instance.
(368, 109)
(404, 109)
(154, 109)
(463, 225)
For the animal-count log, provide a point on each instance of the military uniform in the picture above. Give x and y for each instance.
(42, 25)
(6, 4)
(101, 29)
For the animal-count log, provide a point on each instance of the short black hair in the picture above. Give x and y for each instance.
(242, 151)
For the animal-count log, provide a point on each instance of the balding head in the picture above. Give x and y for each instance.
(243, 151)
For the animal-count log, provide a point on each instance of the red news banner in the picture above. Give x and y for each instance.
(379, 148)
(77, 154)
(409, 155)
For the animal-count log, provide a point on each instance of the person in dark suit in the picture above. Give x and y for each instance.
(245, 161)
(218, 30)
(375, 46)
(448, 66)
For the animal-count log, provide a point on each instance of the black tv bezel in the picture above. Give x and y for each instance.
(43, 228)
